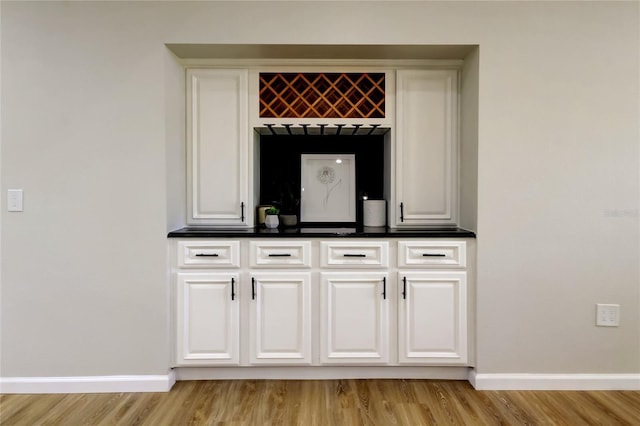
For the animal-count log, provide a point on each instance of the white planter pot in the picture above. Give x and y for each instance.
(271, 221)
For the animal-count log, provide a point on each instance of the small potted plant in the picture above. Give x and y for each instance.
(271, 220)
(289, 204)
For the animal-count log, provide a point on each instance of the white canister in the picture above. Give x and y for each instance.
(374, 213)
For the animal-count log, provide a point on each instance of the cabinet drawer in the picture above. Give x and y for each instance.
(208, 254)
(413, 254)
(281, 254)
(354, 254)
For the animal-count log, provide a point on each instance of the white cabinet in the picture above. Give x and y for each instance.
(270, 324)
(280, 313)
(426, 154)
(354, 307)
(422, 182)
(280, 324)
(354, 324)
(432, 321)
(207, 319)
(432, 304)
(218, 172)
(298, 302)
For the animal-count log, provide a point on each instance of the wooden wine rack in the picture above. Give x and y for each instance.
(322, 95)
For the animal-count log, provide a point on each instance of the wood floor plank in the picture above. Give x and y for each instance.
(621, 403)
(462, 398)
(324, 403)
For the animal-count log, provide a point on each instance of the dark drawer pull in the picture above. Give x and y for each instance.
(433, 254)
(233, 289)
(279, 254)
(404, 288)
(354, 255)
(384, 288)
(207, 255)
(253, 288)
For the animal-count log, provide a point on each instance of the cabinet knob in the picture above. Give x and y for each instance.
(279, 254)
(434, 254)
(401, 212)
(354, 255)
(207, 255)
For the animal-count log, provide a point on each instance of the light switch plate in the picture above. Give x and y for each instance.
(14, 200)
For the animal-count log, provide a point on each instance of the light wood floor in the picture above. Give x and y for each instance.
(324, 403)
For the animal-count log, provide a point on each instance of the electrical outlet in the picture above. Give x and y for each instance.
(607, 315)
(14, 200)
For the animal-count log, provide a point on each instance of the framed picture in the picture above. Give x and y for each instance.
(327, 187)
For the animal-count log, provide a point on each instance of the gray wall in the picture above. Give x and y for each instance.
(90, 132)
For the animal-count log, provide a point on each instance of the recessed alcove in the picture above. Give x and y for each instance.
(181, 56)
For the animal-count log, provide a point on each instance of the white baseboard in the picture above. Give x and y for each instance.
(554, 381)
(320, 373)
(87, 384)
(163, 383)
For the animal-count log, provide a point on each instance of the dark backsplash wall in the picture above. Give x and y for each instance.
(280, 166)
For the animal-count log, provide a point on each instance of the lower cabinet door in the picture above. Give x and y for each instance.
(280, 318)
(354, 325)
(207, 319)
(432, 318)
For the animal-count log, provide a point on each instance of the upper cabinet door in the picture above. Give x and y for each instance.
(426, 186)
(217, 148)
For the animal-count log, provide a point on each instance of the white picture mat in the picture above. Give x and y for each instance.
(328, 188)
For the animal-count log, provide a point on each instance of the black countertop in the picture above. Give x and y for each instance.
(360, 232)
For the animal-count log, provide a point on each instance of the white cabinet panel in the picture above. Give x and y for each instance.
(209, 254)
(280, 254)
(429, 254)
(426, 190)
(281, 318)
(354, 254)
(217, 148)
(207, 319)
(432, 317)
(354, 318)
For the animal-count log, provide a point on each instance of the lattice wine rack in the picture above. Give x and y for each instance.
(322, 95)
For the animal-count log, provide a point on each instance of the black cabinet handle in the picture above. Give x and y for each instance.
(384, 288)
(404, 288)
(253, 288)
(242, 212)
(401, 212)
(233, 289)
(354, 255)
(279, 254)
(434, 254)
(207, 254)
